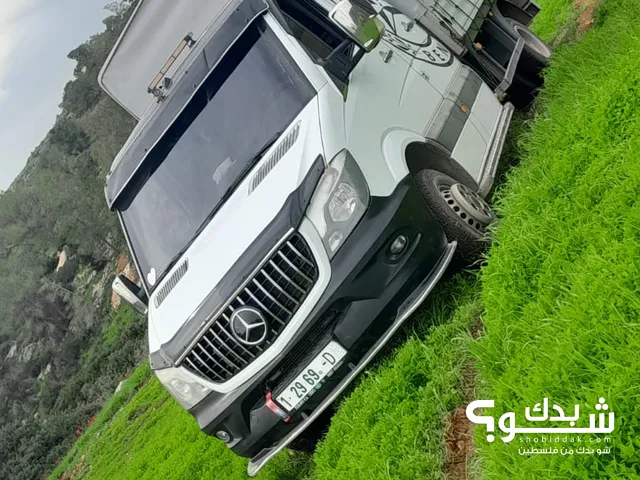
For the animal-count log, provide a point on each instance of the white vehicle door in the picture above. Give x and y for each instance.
(385, 92)
(454, 126)
(428, 56)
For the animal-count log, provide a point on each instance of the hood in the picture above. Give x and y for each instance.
(238, 223)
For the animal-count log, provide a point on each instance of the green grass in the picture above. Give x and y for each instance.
(392, 425)
(559, 296)
(119, 321)
(142, 433)
(562, 285)
(554, 18)
(117, 326)
(129, 388)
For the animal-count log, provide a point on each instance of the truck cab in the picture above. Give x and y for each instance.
(301, 175)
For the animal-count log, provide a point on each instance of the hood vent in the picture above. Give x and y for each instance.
(171, 283)
(280, 151)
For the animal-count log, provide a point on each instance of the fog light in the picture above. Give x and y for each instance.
(399, 245)
(224, 436)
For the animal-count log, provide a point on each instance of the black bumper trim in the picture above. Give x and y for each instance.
(404, 311)
(365, 291)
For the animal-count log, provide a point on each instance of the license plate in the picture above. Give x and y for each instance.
(311, 378)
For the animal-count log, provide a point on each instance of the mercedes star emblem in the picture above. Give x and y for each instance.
(249, 326)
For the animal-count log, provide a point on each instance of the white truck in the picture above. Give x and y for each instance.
(300, 177)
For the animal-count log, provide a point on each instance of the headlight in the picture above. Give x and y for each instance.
(339, 201)
(182, 387)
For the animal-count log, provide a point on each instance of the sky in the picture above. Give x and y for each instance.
(35, 38)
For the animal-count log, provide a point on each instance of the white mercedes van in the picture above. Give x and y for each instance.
(301, 176)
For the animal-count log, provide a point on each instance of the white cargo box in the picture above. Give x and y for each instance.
(152, 34)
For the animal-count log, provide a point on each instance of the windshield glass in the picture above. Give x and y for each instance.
(255, 92)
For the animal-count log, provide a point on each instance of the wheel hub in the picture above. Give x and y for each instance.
(468, 205)
(532, 41)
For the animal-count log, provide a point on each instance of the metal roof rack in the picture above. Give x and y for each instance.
(158, 88)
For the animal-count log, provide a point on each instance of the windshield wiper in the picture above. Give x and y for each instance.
(266, 147)
(240, 177)
(222, 201)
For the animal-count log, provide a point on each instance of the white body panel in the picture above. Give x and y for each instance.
(457, 14)
(399, 85)
(486, 111)
(470, 144)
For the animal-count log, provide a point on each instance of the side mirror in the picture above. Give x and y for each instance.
(360, 22)
(130, 293)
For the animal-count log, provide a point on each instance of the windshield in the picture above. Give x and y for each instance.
(255, 92)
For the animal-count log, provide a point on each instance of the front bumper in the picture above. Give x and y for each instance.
(411, 303)
(368, 297)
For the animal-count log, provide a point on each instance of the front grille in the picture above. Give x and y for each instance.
(277, 290)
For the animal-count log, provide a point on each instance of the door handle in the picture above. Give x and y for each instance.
(386, 56)
(408, 26)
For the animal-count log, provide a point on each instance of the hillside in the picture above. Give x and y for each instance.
(58, 251)
(552, 313)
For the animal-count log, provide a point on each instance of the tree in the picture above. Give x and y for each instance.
(69, 136)
(119, 9)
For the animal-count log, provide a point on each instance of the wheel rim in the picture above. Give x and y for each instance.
(533, 41)
(468, 205)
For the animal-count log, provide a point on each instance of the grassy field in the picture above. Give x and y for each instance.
(144, 434)
(555, 18)
(152, 437)
(393, 424)
(561, 289)
(557, 304)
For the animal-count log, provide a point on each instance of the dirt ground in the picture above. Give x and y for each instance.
(586, 16)
(459, 430)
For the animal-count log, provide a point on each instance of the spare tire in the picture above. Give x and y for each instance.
(534, 46)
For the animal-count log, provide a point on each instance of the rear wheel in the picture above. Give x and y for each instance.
(463, 214)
